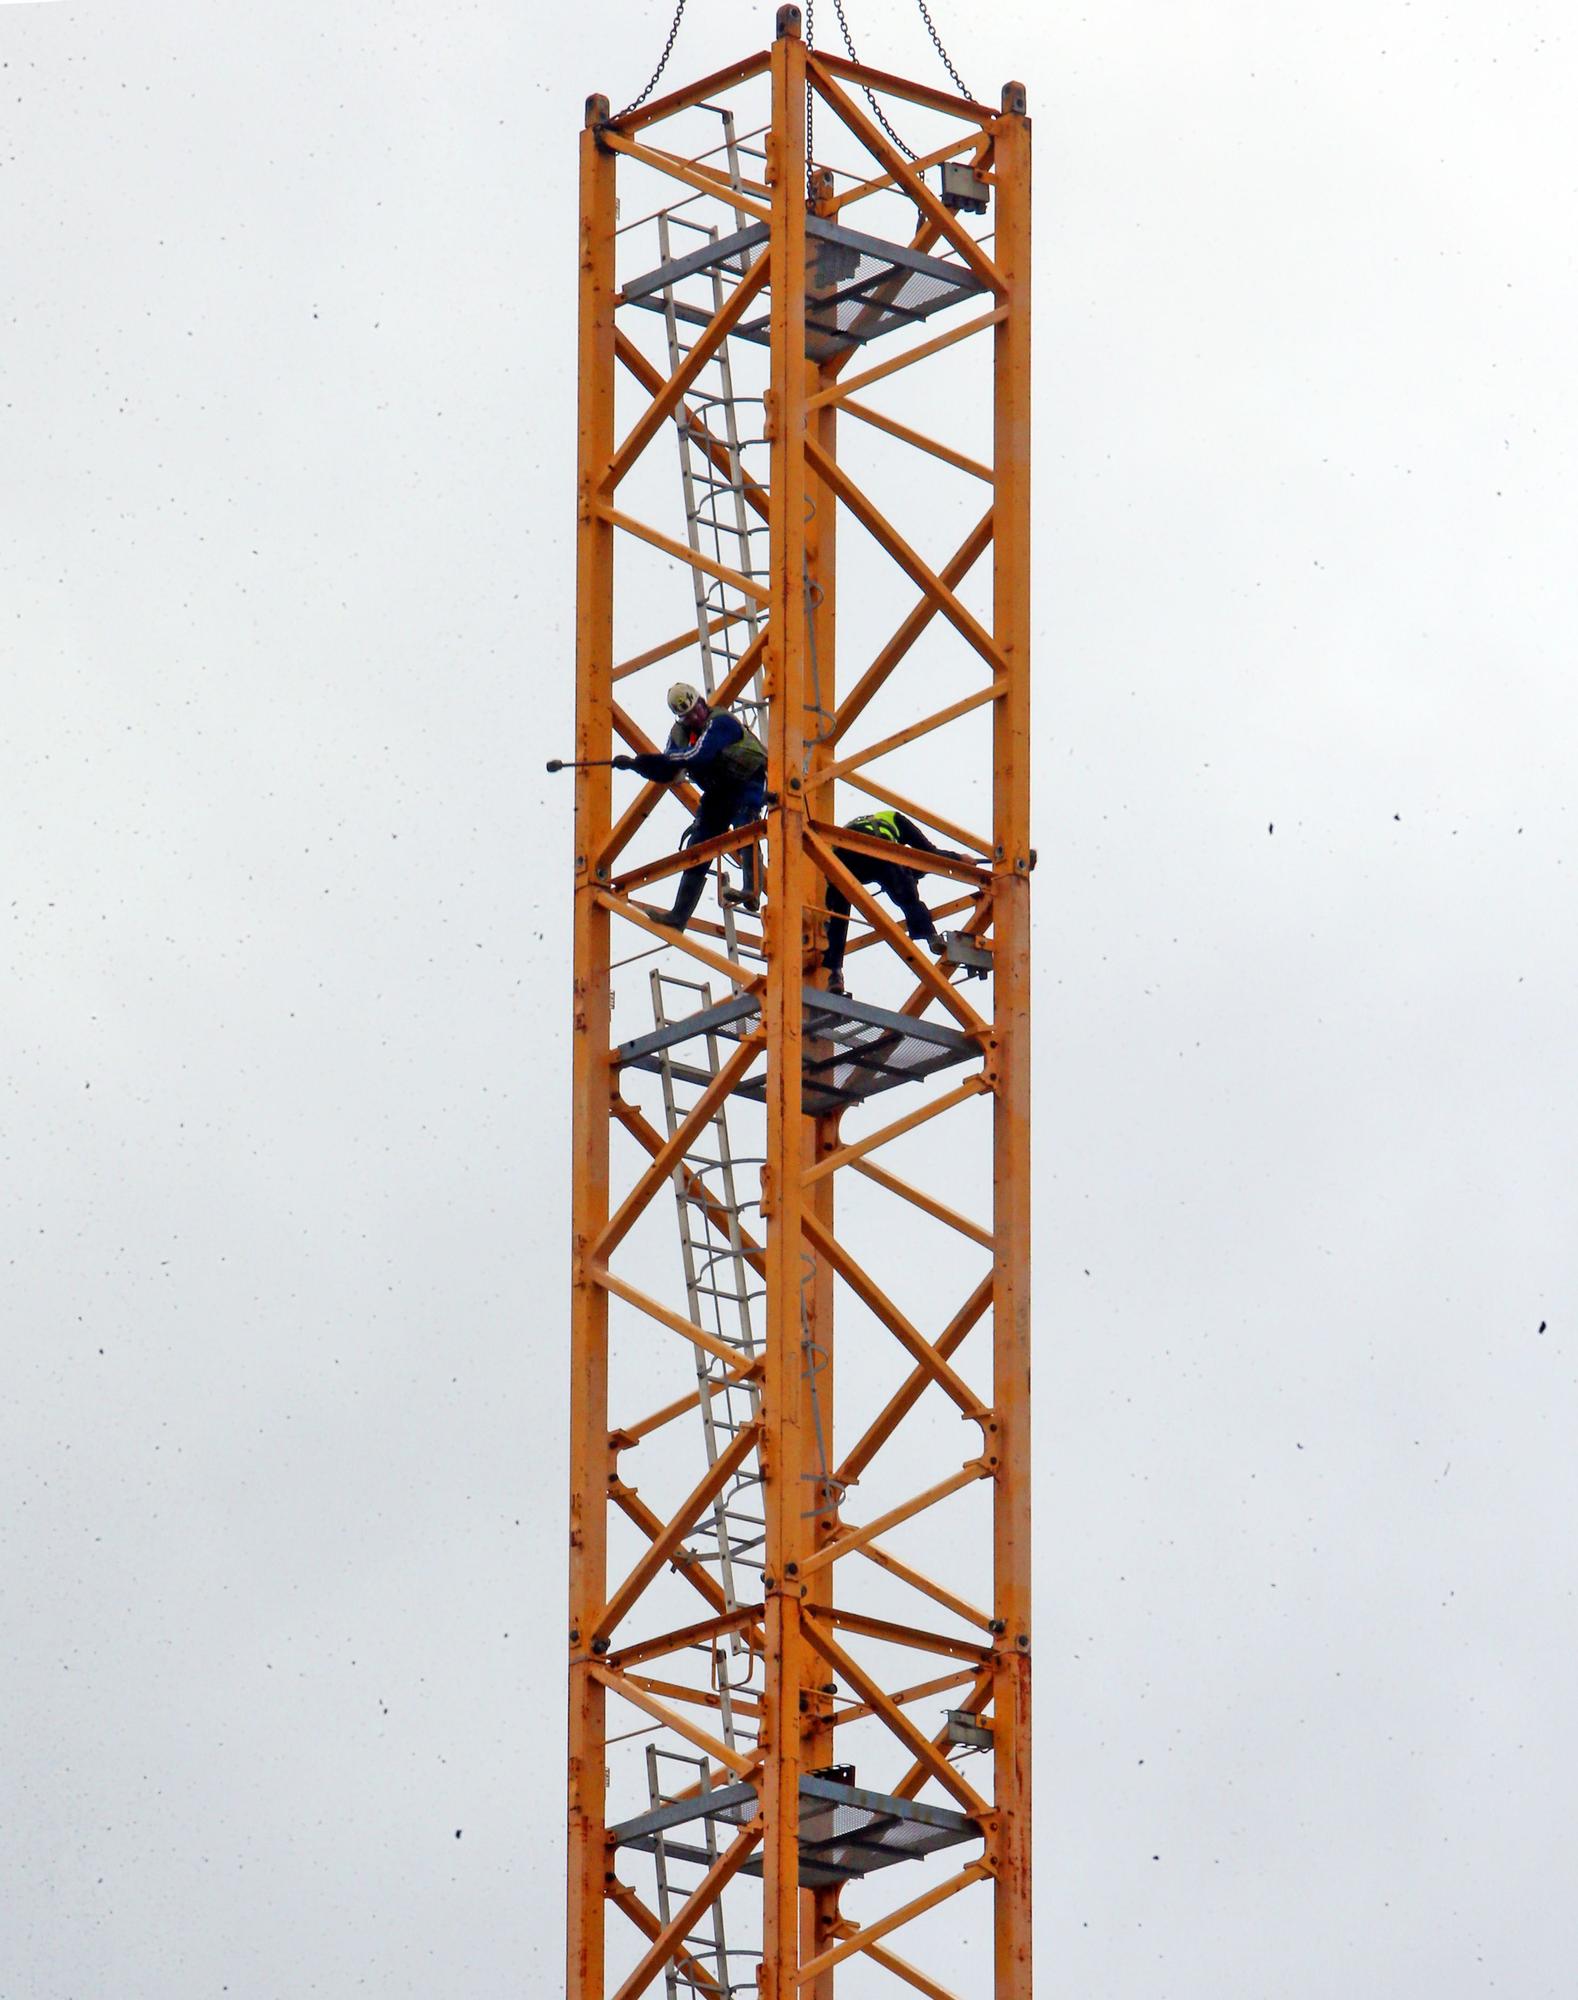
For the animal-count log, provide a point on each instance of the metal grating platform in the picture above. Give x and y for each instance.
(844, 1832)
(852, 1050)
(857, 287)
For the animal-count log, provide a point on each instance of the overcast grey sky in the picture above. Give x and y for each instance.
(286, 417)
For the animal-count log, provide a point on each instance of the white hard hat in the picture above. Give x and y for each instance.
(682, 698)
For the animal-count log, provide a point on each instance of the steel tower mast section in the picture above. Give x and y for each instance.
(697, 1639)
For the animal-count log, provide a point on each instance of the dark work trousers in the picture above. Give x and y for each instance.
(901, 884)
(725, 803)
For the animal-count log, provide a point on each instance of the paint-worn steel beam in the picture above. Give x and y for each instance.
(647, 920)
(933, 447)
(882, 150)
(888, 538)
(652, 381)
(707, 343)
(922, 351)
(684, 858)
(671, 1718)
(650, 1140)
(859, 1711)
(786, 1446)
(951, 575)
(682, 552)
(704, 1631)
(887, 1712)
(672, 1937)
(939, 1593)
(675, 1147)
(853, 1538)
(844, 1156)
(869, 1934)
(591, 1075)
(899, 1405)
(888, 85)
(706, 180)
(689, 93)
(970, 142)
(893, 1633)
(1009, 1849)
(927, 725)
(625, 1899)
(673, 1532)
(928, 1204)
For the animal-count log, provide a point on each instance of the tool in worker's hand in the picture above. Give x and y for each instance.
(620, 763)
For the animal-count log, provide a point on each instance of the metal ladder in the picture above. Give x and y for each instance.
(722, 1292)
(718, 519)
(706, 1951)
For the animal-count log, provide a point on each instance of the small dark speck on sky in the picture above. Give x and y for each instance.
(1542, 1326)
(457, 1833)
(1271, 826)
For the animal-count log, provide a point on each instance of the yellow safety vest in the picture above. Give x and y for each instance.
(884, 825)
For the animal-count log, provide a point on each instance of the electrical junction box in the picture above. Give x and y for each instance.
(963, 188)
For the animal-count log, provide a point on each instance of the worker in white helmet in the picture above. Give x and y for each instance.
(727, 764)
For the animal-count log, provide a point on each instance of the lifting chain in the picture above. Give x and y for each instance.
(947, 63)
(810, 42)
(810, 96)
(877, 111)
(668, 49)
(947, 60)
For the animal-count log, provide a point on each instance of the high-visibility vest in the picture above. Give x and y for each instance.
(747, 758)
(744, 759)
(885, 825)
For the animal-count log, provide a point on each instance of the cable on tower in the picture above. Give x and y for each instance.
(947, 63)
(668, 49)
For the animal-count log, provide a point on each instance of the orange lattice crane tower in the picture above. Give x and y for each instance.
(799, 1637)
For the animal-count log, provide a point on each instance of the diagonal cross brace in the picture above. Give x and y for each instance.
(711, 338)
(679, 1525)
(886, 1711)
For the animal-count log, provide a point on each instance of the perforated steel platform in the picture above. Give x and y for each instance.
(852, 1049)
(857, 287)
(844, 1832)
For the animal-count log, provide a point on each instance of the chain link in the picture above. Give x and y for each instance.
(810, 95)
(947, 60)
(947, 63)
(668, 49)
(877, 111)
(810, 42)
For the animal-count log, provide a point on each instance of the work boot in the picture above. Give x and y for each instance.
(748, 895)
(691, 884)
(835, 983)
